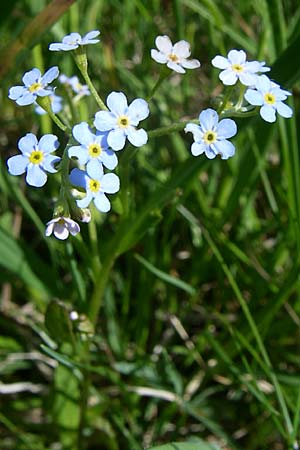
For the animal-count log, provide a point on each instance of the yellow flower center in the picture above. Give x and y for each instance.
(210, 137)
(35, 87)
(36, 157)
(123, 121)
(173, 57)
(78, 86)
(94, 185)
(94, 150)
(237, 67)
(269, 98)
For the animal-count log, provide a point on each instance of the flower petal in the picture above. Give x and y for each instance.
(50, 75)
(109, 159)
(61, 231)
(164, 44)
(247, 79)
(110, 183)
(225, 148)
(208, 119)
(158, 56)
(174, 66)
(101, 202)
(254, 97)
(105, 121)
(16, 91)
(228, 77)
(182, 49)
(31, 77)
(49, 162)
(137, 137)
(79, 152)
(35, 176)
(78, 178)
(226, 128)
(220, 62)
(83, 134)
(195, 129)
(267, 112)
(95, 172)
(138, 110)
(27, 143)
(27, 99)
(116, 139)
(284, 110)
(190, 64)
(198, 148)
(94, 165)
(84, 202)
(237, 56)
(117, 103)
(17, 164)
(48, 143)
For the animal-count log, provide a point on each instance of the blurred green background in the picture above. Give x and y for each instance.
(198, 333)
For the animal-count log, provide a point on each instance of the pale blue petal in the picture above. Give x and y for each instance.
(48, 143)
(254, 97)
(209, 152)
(110, 183)
(164, 44)
(83, 134)
(95, 172)
(89, 38)
(267, 112)
(50, 75)
(109, 159)
(101, 139)
(225, 148)
(263, 83)
(220, 62)
(44, 92)
(27, 99)
(117, 103)
(84, 202)
(72, 38)
(190, 63)
(35, 175)
(195, 129)
(31, 77)
(137, 137)
(226, 129)
(228, 77)
(79, 152)
(28, 143)
(198, 148)
(17, 164)
(208, 119)
(78, 178)
(94, 165)
(57, 47)
(284, 110)
(49, 162)
(237, 56)
(116, 139)
(158, 56)
(101, 202)
(105, 121)
(247, 79)
(138, 110)
(16, 92)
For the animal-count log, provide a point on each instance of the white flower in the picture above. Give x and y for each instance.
(74, 40)
(61, 227)
(270, 97)
(235, 67)
(175, 56)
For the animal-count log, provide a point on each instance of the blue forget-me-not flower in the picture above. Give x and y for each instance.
(96, 185)
(121, 121)
(270, 97)
(35, 85)
(74, 40)
(36, 158)
(93, 150)
(235, 67)
(211, 136)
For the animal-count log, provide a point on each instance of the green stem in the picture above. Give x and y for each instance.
(179, 126)
(164, 73)
(45, 103)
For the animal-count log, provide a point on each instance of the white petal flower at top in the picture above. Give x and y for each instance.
(93, 150)
(235, 67)
(35, 85)
(174, 56)
(121, 121)
(74, 40)
(270, 97)
(61, 227)
(211, 136)
(96, 185)
(36, 158)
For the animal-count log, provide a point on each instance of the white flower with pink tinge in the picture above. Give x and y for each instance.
(61, 227)
(175, 56)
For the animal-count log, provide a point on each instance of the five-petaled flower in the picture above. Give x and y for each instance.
(121, 121)
(36, 158)
(175, 56)
(74, 40)
(93, 150)
(235, 67)
(211, 136)
(61, 227)
(270, 97)
(35, 85)
(96, 185)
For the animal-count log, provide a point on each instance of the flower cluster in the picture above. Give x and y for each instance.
(94, 148)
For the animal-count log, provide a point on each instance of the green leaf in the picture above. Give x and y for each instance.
(58, 323)
(199, 445)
